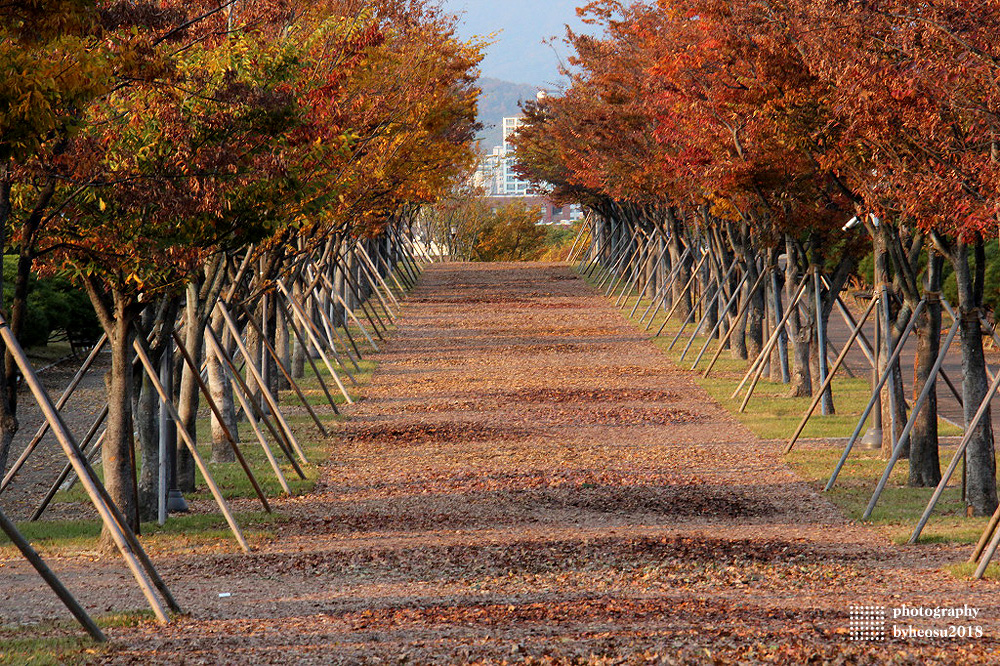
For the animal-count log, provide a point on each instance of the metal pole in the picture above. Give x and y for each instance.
(776, 304)
(166, 377)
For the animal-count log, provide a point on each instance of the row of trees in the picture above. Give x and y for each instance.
(762, 126)
(469, 227)
(168, 155)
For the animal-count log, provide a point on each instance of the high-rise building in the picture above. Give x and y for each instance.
(497, 178)
(496, 172)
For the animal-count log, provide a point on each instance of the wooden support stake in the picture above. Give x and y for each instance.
(875, 393)
(758, 362)
(963, 445)
(261, 384)
(725, 309)
(694, 274)
(233, 444)
(829, 379)
(63, 399)
(897, 448)
(50, 578)
(185, 436)
(300, 312)
(287, 375)
(739, 315)
(112, 519)
(251, 408)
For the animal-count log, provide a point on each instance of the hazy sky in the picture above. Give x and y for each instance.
(519, 54)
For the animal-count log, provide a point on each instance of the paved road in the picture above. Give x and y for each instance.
(949, 407)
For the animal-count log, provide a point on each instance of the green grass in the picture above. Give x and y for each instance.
(900, 507)
(772, 415)
(61, 642)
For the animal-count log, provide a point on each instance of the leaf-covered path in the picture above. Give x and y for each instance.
(527, 479)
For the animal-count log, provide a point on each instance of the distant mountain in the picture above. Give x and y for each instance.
(500, 100)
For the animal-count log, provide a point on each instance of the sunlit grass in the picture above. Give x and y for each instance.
(61, 641)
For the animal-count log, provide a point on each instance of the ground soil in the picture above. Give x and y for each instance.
(529, 480)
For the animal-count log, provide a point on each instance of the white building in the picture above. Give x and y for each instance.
(497, 178)
(496, 172)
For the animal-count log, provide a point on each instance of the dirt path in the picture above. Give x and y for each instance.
(529, 480)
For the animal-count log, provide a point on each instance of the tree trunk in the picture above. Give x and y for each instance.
(893, 396)
(925, 467)
(282, 344)
(147, 429)
(187, 408)
(981, 486)
(683, 269)
(801, 331)
(299, 352)
(221, 389)
(8, 398)
(118, 452)
(755, 314)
